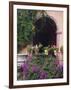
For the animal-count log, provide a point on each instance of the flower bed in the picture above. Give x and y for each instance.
(40, 67)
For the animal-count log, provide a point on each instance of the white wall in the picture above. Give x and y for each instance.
(4, 44)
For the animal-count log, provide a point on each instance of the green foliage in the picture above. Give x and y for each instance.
(33, 76)
(25, 20)
(50, 67)
(38, 60)
(50, 48)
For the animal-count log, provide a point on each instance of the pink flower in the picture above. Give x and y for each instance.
(35, 68)
(29, 57)
(43, 75)
(25, 68)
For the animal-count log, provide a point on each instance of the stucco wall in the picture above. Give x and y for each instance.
(58, 17)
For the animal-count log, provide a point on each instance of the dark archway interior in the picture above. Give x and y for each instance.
(45, 31)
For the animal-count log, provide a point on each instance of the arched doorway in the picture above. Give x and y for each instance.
(45, 31)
